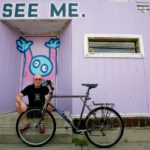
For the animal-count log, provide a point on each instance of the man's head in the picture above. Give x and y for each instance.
(37, 80)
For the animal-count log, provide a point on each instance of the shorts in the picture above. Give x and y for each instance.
(34, 114)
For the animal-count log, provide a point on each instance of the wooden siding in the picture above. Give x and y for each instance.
(123, 81)
(10, 61)
(64, 76)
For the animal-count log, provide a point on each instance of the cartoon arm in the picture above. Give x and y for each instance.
(53, 45)
(23, 46)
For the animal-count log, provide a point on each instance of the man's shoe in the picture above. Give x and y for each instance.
(42, 128)
(27, 126)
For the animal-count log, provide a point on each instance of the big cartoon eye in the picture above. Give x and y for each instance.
(36, 63)
(44, 68)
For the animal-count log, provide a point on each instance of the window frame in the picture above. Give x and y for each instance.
(126, 37)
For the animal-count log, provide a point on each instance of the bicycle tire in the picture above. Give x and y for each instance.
(32, 136)
(104, 127)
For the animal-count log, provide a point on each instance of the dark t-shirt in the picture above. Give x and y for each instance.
(36, 96)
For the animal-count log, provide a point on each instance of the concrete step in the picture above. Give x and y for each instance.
(140, 134)
(63, 136)
(8, 129)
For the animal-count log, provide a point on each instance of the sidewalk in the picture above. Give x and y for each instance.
(119, 146)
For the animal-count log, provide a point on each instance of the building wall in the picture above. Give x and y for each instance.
(64, 76)
(10, 65)
(122, 81)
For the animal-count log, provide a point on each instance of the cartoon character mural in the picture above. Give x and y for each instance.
(39, 64)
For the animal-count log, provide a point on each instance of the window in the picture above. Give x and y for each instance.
(130, 46)
(143, 6)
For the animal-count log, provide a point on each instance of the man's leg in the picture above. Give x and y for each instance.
(24, 117)
(21, 107)
(50, 107)
(18, 107)
(43, 122)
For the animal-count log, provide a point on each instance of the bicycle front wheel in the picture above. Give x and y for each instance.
(29, 129)
(104, 127)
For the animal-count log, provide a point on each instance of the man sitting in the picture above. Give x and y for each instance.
(37, 96)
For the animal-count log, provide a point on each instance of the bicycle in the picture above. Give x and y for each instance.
(103, 126)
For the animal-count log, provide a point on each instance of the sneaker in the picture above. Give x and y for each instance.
(27, 126)
(42, 128)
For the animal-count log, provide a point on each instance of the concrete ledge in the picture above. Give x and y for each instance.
(136, 135)
(8, 130)
(63, 136)
(130, 135)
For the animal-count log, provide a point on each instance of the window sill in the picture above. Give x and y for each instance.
(115, 55)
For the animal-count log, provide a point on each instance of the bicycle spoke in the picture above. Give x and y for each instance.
(34, 135)
(104, 127)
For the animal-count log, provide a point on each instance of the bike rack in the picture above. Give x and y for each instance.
(110, 105)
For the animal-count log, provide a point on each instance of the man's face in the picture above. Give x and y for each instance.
(37, 80)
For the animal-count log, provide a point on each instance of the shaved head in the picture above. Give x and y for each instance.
(37, 76)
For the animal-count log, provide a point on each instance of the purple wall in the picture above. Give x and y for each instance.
(123, 81)
(10, 64)
(64, 77)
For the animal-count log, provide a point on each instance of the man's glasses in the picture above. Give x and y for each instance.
(38, 79)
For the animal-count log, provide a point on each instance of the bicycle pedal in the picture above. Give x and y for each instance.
(76, 132)
(67, 128)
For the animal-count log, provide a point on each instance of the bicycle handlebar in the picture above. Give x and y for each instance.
(48, 83)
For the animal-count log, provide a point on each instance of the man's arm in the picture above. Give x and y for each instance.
(20, 105)
(48, 96)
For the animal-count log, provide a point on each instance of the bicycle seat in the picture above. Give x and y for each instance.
(90, 85)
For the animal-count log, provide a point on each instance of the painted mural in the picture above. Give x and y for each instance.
(45, 65)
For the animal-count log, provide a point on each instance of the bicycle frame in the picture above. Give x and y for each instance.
(101, 121)
(84, 99)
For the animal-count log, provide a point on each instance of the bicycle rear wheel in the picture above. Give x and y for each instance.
(32, 135)
(104, 127)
